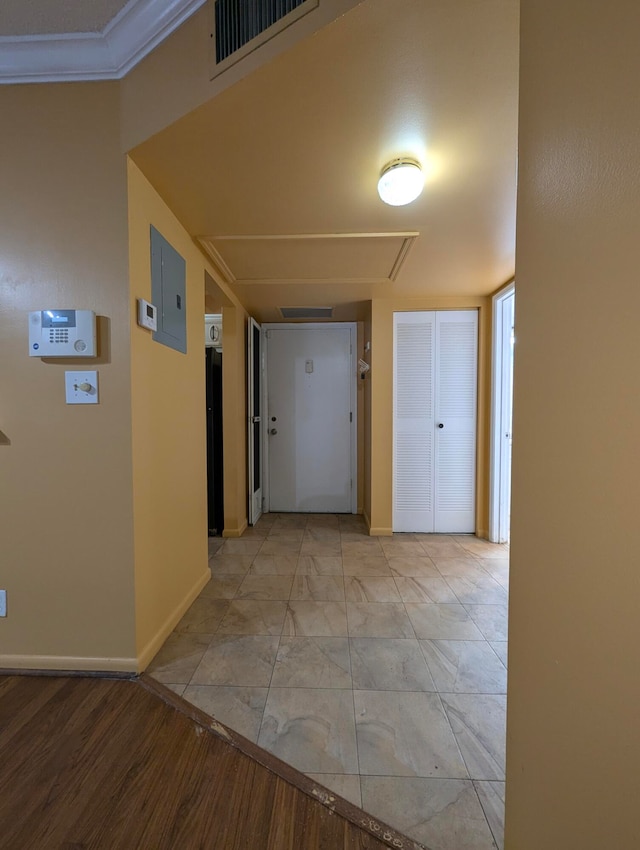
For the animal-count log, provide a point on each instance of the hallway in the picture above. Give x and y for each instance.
(375, 665)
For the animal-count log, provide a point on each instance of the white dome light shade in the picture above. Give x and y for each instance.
(401, 182)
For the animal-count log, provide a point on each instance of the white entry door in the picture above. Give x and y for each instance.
(434, 416)
(310, 417)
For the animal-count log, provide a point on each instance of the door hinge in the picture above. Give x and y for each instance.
(350, 417)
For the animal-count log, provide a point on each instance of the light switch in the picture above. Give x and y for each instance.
(81, 387)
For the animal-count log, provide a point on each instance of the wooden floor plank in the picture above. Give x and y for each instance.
(97, 764)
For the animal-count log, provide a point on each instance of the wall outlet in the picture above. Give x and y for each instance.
(3, 603)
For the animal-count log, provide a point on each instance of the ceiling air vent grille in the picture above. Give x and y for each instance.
(237, 22)
(306, 312)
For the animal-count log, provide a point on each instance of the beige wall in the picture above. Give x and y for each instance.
(66, 530)
(234, 419)
(381, 417)
(574, 681)
(168, 428)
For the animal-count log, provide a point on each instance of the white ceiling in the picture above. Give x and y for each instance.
(46, 17)
(65, 40)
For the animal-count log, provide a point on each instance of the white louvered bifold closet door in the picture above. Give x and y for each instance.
(413, 395)
(434, 415)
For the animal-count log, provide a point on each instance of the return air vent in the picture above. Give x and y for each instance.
(238, 22)
(306, 312)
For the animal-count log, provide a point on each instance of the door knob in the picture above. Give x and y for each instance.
(440, 424)
(273, 431)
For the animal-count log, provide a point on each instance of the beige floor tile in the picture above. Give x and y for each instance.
(253, 617)
(461, 566)
(438, 620)
(312, 662)
(324, 549)
(289, 521)
(321, 534)
(318, 619)
(284, 533)
(179, 657)
(323, 521)
(214, 545)
(265, 587)
(500, 649)
(282, 546)
(344, 785)
(497, 568)
(478, 722)
(371, 589)
(440, 546)
(378, 619)
(312, 729)
(177, 689)
(366, 565)
(318, 588)
(241, 546)
(205, 615)
(390, 723)
(239, 708)
(393, 548)
(442, 814)
(230, 564)
(368, 546)
(319, 565)
(221, 586)
(238, 660)
(419, 566)
(464, 666)
(355, 536)
(492, 620)
(420, 589)
(491, 796)
(477, 590)
(255, 531)
(389, 664)
(274, 565)
(482, 548)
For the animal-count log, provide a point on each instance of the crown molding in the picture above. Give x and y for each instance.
(139, 27)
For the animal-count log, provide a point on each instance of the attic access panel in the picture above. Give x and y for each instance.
(168, 293)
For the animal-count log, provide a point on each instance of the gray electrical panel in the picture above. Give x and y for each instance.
(168, 293)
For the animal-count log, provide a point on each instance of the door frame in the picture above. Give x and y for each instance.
(353, 398)
(499, 473)
(256, 498)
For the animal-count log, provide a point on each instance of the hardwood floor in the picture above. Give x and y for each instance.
(108, 764)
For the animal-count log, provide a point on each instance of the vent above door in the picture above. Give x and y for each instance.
(306, 312)
(240, 27)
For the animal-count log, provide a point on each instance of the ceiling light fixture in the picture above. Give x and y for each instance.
(401, 181)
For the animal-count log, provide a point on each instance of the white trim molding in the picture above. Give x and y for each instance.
(134, 32)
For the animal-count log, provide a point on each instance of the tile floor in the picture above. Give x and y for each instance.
(375, 665)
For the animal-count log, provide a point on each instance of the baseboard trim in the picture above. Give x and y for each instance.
(68, 664)
(152, 647)
(235, 532)
(380, 532)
